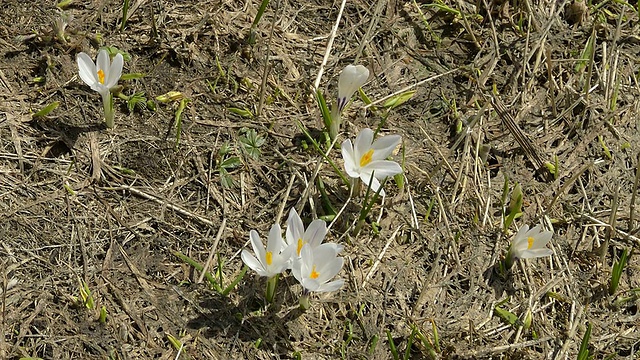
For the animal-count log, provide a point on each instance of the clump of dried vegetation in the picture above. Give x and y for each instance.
(124, 243)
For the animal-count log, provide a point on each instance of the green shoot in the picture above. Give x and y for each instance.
(178, 119)
(616, 272)
(319, 150)
(508, 317)
(392, 346)
(245, 113)
(398, 100)
(514, 209)
(125, 10)
(170, 96)
(64, 4)
(132, 76)
(327, 206)
(177, 344)
(256, 21)
(47, 109)
(583, 353)
(215, 283)
(103, 315)
(324, 110)
(605, 148)
(373, 344)
(87, 297)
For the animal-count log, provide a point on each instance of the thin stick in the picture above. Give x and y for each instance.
(327, 52)
(410, 87)
(213, 251)
(632, 207)
(380, 256)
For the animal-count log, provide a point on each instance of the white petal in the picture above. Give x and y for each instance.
(274, 242)
(349, 159)
(529, 254)
(252, 262)
(87, 69)
(296, 270)
(351, 78)
(331, 286)
(542, 239)
(384, 146)
(102, 63)
(519, 237)
(310, 284)
(362, 145)
(115, 71)
(382, 169)
(258, 248)
(329, 269)
(315, 233)
(295, 227)
(375, 183)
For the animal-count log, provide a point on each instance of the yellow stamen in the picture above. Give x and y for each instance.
(314, 274)
(366, 158)
(300, 244)
(530, 241)
(269, 257)
(101, 76)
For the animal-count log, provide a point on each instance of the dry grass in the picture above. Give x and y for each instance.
(109, 208)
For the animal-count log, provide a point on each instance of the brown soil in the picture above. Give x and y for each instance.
(110, 208)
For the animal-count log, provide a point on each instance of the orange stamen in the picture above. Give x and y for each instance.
(366, 158)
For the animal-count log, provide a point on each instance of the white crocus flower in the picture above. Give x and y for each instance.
(101, 77)
(351, 79)
(367, 157)
(316, 267)
(527, 244)
(297, 236)
(270, 261)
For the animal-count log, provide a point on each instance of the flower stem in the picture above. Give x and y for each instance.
(335, 122)
(108, 109)
(304, 301)
(272, 283)
(509, 260)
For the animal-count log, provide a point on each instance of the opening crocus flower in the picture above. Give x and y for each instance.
(367, 158)
(527, 244)
(297, 236)
(270, 261)
(351, 79)
(317, 266)
(101, 77)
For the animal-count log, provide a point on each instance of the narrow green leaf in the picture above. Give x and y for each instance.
(47, 109)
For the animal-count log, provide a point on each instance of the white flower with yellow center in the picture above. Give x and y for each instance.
(101, 76)
(270, 261)
(528, 243)
(317, 266)
(297, 236)
(367, 158)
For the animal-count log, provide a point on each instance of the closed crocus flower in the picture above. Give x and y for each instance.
(366, 158)
(351, 79)
(101, 76)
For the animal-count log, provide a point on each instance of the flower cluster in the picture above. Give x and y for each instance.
(312, 263)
